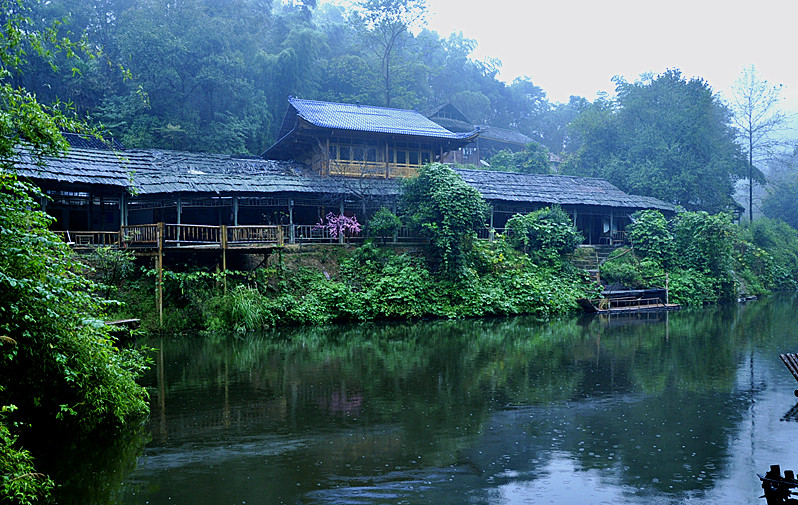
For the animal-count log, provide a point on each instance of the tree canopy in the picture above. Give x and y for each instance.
(59, 366)
(665, 136)
(212, 76)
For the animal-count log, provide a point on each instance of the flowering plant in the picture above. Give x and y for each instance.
(339, 225)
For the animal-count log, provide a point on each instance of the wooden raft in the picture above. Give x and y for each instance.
(791, 362)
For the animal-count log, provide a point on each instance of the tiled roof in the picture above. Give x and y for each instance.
(154, 172)
(555, 190)
(368, 118)
(503, 135)
(90, 142)
(81, 166)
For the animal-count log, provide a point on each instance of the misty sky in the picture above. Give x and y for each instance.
(575, 47)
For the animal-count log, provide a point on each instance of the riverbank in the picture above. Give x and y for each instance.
(326, 284)
(717, 262)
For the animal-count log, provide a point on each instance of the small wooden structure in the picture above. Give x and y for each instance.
(791, 362)
(629, 301)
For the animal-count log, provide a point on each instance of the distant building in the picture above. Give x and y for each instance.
(490, 141)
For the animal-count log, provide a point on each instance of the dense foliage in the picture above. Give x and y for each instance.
(707, 258)
(666, 136)
(361, 284)
(59, 367)
(439, 205)
(214, 76)
(547, 235)
(532, 159)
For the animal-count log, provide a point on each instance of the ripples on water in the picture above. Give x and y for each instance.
(680, 408)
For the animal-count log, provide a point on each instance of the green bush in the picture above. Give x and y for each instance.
(383, 224)
(19, 481)
(438, 204)
(546, 235)
(651, 236)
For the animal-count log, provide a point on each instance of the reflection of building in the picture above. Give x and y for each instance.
(339, 158)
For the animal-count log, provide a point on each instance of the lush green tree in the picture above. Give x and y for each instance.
(386, 26)
(440, 205)
(665, 136)
(651, 236)
(383, 223)
(781, 201)
(532, 159)
(59, 364)
(547, 235)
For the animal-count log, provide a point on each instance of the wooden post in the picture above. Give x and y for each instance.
(179, 218)
(492, 231)
(396, 232)
(341, 235)
(667, 296)
(326, 167)
(280, 234)
(223, 240)
(235, 210)
(123, 210)
(102, 214)
(387, 161)
(291, 232)
(159, 236)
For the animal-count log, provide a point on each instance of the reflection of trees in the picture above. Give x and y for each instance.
(653, 404)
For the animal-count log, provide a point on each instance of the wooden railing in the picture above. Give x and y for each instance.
(89, 239)
(256, 234)
(192, 234)
(188, 235)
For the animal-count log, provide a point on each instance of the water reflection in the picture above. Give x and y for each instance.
(675, 408)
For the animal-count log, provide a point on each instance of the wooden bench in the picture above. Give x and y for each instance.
(791, 362)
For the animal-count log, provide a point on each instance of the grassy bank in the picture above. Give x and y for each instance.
(328, 284)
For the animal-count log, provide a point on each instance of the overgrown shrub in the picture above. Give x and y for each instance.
(383, 224)
(546, 235)
(438, 204)
(651, 236)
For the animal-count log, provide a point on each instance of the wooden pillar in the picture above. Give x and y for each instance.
(326, 165)
(159, 236)
(387, 161)
(235, 210)
(291, 232)
(395, 233)
(102, 214)
(91, 213)
(223, 240)
(123, 210)
(341, 235)
(492, 231)
(612, 223)
(179, 218)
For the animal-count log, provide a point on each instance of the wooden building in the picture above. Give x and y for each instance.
(354, 140)
(338, 158)
(490, 140)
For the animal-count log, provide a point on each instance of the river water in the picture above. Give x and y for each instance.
(685, 407)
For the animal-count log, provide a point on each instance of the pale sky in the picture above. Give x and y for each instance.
(575, 47)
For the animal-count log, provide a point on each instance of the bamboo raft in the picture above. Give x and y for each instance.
(791, 362)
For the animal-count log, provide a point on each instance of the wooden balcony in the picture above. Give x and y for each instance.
(195, 236)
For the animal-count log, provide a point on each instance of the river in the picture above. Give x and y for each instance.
(684, 407)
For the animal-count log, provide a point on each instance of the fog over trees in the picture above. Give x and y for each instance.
(214, 76)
